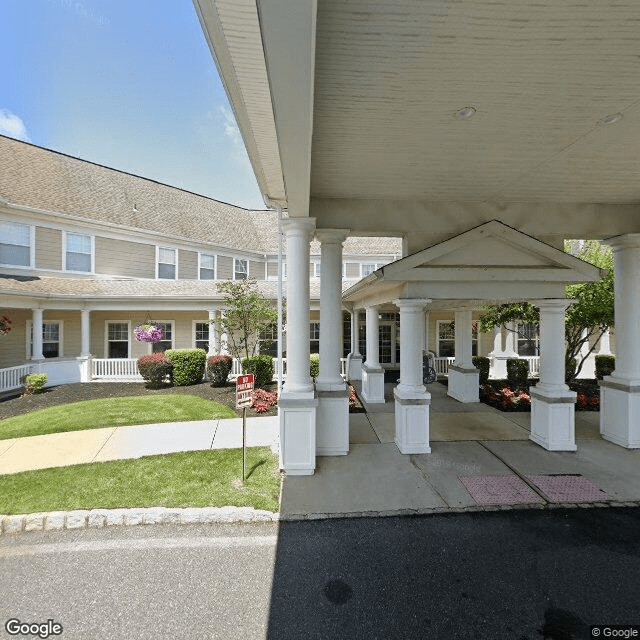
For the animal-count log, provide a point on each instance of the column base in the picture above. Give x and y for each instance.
(84, 365)
(464, 384)
(620, 411)
(355, 367)
(372, 384)
(297, 415)
(332, 422)
(412, 422)
(553, 419)
(498, 369)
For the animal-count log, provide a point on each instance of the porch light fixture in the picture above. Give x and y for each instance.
(465, 113)
(612, 118)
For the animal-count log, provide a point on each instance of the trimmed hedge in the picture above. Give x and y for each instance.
(483, 364)
(605, 366)
(154, 369)
(261, 367)
(33, 382)
(517, 373)
(218, 369)
(314, 366)
(188, 365)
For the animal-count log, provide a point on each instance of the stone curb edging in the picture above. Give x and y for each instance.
(100, 518)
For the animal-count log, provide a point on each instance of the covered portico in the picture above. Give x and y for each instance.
(426, 120)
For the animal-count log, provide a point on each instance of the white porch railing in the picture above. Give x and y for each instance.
(534, 365)
(11, 378)
(125, 369)
(442, 365)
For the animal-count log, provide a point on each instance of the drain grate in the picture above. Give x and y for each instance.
(569, 488)
(499, 490)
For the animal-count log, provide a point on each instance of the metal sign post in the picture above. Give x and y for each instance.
(244, 398)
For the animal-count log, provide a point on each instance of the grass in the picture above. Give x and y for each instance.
(113, 412)
(209, 478)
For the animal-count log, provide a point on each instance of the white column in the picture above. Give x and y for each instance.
(332, 420)
(224, 339)
(297, 404)
(411, 397)
(36, 353)
(588, 371)
(85, 331)
(510, 341)
(552, 404)
(372, 372)
(498, 369)
(355, 357)
(605, 344)
(463, 376)
(620, 392)
(213, 333)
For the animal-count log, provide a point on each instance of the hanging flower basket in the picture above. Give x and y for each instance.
(5, 325)
(148, 332)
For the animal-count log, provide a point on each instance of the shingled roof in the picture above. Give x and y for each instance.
(43, 179)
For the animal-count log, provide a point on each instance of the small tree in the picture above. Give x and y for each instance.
(247, 314)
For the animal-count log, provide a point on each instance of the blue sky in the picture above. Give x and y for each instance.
(130, 84)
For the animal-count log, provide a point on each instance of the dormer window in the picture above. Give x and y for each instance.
(207, 266)
(240, 269)
(15, 244)
(167, 263)
(78, 253)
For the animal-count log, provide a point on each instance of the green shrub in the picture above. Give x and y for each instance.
(261, 367)
(218, 369)
(605, 366)
(517, 373)
(483, 364)
(570, 366)
(154, 369)
(33, 382)
(188, 365)
(314, 368)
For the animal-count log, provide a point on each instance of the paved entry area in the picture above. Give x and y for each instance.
(480, 458)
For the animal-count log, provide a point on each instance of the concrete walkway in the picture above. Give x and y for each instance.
(116, 443)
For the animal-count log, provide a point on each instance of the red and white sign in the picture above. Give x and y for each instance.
(244, 390)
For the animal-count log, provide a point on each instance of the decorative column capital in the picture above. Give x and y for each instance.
(302, 227)
(332, 236)
(416, 304)
(553, 304)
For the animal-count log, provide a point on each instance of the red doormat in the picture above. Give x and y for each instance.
(499, 490)
(569, 488)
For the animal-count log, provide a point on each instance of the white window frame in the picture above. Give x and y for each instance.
(92, 239)
(174, 249)
(215, 264)
(375, 266)
(29, 341)
(235, 270)
(106, 335)
(317, 268)
(314, 339)
(173, 334)
(475, 337)
(193, 333)
(32, 245)
(518, 340)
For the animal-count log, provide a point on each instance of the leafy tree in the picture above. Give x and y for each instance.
(585, 321)
(247, 314)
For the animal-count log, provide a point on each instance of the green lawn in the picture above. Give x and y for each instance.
(113, 412)
(209, 478)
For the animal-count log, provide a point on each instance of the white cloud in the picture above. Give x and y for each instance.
(11, 125)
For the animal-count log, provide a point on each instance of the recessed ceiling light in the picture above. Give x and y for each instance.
(465, 113)
(611, 118)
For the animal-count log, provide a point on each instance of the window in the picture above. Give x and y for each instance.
(117, 339)
(447, 339)
(314, 337)
(528, 340)
(207, 266)
(167, 259)
(269, 340)
(167, 338)
(15, 244)
(240, 269)
(316, 270)
(51, 339)
(367, 269)
(78, 252)
(201, 335)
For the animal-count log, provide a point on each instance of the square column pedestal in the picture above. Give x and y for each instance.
(412, 422)
(620, 411)
(553, 419)
(297, 434)
(355, 367)
(464, 383)
(332, 423)
(372, 384)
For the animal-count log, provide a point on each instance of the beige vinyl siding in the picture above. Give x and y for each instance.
(48, 248)
(256, 269)
(353, 270)
(225, 268)
(124, 258)
(71, 333)
(272, 269)
(13, 344)
(187, 265)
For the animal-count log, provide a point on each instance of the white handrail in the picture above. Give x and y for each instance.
(115, 369)
(11, 377)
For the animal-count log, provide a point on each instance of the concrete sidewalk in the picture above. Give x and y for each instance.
(116, 443)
